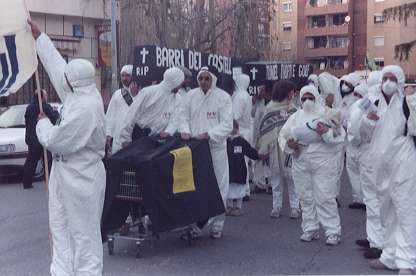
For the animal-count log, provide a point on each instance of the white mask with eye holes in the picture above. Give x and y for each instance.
(390, 87)
(308, 106)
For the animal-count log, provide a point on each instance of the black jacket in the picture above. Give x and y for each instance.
(31, 119)
(237, 148)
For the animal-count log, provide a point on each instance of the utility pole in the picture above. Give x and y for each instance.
(114, 68)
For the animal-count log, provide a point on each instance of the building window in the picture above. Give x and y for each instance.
(287, 6)
(287, 26)
(378, 18)
(379, 41)
(317, 21)
(337, 19)
(379, 62)
(338, 42)
(287, 46)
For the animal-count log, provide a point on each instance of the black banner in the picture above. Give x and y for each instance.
(259, 71)
(150, 62)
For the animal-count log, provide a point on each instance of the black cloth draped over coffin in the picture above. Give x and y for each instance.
(153, 164)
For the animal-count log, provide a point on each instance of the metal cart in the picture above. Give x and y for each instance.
(131, 190)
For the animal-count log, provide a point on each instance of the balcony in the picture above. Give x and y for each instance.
(324, 31)
(326, 9)
(325, 52)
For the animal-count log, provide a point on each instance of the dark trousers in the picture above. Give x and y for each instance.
(34, 155)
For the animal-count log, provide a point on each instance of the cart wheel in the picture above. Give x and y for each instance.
(110, 245)
(139, 250)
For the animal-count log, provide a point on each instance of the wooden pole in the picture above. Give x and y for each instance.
(45, 154)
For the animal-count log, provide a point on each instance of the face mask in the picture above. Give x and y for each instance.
(389, 87)
(308, 106)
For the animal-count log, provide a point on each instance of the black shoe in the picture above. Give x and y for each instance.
(372, 253)
(356, 205)
(28, 187)
(246, 198)
(363, 243)
(338, 204)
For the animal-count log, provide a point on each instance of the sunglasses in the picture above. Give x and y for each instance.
(304, 99)
(204, 78)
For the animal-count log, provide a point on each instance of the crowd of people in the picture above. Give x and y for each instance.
(281, 137)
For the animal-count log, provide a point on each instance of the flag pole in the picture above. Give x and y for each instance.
(45, 153)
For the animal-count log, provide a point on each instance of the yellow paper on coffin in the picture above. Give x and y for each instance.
(183, 176)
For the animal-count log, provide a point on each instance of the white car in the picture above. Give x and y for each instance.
(13, 148)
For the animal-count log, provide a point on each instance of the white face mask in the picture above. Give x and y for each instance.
(389, 87)
(308, 106)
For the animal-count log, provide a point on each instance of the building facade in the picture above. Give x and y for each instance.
(384, 35)
(72, 26)
(332, 35)
(285, 26)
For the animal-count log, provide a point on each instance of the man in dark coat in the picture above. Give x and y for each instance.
(35, 150)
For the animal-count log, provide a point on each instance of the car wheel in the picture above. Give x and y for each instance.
(39, 172)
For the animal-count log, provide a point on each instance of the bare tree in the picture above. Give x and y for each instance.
(235, 27)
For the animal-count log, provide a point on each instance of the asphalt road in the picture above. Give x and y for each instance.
(252, 243)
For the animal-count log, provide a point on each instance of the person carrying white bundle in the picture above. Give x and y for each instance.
(315, 169)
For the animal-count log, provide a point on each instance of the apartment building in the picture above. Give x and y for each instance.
(332, 35)
(284, 27)
(72, 26)
(384, 35)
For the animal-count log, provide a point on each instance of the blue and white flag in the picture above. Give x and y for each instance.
(18, 59)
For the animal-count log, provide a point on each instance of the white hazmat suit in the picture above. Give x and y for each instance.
(315, 172)
(77, 180)
(117, 110)
(211, 112)
(354, 152)
(394, 150)
(242, 105)
(156, 107)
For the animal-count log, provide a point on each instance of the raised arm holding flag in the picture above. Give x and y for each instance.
(77, 182)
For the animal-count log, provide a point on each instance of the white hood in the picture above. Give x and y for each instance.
(172, 78)
(242, 82)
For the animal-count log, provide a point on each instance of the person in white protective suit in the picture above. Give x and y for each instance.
(118, 108)
(314, 80)
(329, 89)
(207, 114)
(360, 134)
(242, 105)
(354, 152)
(315, 169)
(332, 100)
(347, 85)
(275, 116)
(156, 108)
(261, 172)
(77, 180)
(393, 148)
